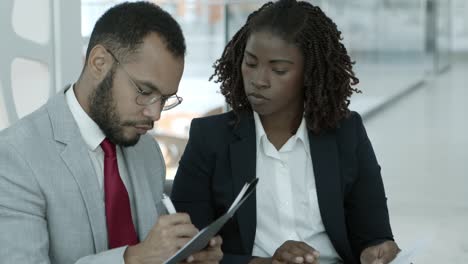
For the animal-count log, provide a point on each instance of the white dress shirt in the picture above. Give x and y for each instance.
(287, 205)
(93, 136)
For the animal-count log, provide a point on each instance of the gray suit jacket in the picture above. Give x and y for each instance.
(51, 208)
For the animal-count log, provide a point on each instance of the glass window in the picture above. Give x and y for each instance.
(203, 25)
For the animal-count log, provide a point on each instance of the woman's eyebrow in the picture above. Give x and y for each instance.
(278, 60)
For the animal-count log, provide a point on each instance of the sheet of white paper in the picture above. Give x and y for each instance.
(407, 255)
(239, 196)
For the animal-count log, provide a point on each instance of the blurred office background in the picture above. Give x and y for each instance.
(411, 58)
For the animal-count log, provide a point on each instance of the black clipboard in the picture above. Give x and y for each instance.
(203, 237)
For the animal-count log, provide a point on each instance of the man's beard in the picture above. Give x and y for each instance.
(103, 110)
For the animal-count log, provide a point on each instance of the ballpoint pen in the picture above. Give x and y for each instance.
(168, 204)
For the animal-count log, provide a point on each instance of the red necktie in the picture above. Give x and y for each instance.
(120, 228)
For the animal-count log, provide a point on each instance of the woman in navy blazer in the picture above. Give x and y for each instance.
(287, 66)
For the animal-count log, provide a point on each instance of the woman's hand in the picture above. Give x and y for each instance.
(295, 252)
(380, 254)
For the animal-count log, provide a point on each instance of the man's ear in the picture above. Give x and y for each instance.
(99, 62)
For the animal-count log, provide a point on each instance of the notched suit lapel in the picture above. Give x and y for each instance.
(326, 167)
(76, 157)
(243, 166)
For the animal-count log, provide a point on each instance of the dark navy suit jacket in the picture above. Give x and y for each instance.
(221, 156)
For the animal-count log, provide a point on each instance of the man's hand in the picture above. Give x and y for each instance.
(380, 254)
(210, 255)
(291, 252)
(168, 235)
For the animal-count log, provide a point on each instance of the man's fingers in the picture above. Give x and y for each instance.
(180, 230)
(174, 219)
(187, 260)
(216, 241)
(210, 254)
(180, 242)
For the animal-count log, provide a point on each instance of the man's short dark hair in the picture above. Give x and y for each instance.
(122, 28)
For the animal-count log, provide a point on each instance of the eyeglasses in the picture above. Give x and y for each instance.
(147, 97)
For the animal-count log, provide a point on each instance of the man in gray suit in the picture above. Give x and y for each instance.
(80, 182)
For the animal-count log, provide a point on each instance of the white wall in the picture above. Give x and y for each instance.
(40, 52)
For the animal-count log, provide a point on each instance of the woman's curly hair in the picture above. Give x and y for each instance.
(328, 72)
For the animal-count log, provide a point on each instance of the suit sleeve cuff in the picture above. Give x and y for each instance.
(115, 255)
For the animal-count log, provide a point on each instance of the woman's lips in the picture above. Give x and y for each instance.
(256, 98)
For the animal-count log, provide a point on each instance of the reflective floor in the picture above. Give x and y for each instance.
(421, 143)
